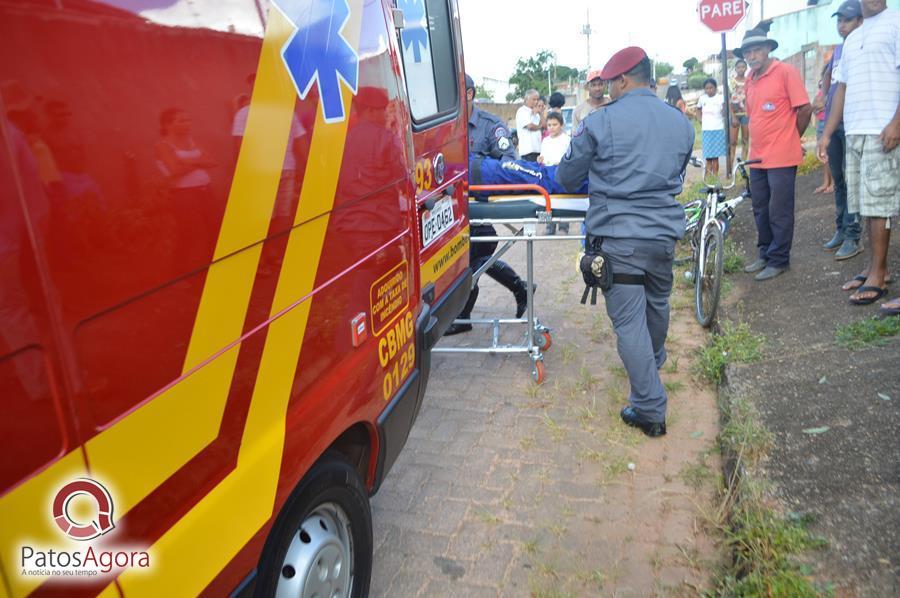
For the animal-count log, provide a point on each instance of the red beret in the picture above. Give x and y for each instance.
(622, 62)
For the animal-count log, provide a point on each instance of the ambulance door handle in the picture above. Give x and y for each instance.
(429, 203)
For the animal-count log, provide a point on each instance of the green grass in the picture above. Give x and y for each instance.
(736, 344)
(695, 190)
(867, 333)
(743, 435)
(766, 546)
(809, 164)
(734, 261)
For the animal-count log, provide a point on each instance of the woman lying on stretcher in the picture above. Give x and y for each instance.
(488, 171)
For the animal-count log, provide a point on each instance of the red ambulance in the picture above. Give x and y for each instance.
(230, 233)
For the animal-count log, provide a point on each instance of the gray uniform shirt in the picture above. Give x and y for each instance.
(634, 150)
(489, 137)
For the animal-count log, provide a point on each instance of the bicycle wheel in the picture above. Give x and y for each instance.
(708, 279)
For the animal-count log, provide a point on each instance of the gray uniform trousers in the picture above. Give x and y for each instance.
(640, 317)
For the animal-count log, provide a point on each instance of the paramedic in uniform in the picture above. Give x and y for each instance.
(488, 138)
(634, 152)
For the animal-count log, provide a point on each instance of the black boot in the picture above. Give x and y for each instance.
(506, 276)
(521, 295)
(465, 314)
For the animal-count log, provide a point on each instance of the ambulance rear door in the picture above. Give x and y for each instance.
(431, 52)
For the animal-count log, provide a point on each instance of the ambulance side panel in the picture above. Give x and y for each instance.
(192, 329)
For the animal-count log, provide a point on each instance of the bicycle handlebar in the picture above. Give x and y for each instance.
(739, 167)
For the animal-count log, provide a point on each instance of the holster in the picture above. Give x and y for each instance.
(597, 270)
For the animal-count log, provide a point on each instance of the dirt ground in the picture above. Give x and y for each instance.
(510, 489)
(833, 412)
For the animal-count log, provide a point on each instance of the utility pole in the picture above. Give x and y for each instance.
(586, 31)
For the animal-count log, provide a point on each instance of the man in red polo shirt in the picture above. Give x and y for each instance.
(779, 112)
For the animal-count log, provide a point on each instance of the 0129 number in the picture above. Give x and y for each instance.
(393, 376)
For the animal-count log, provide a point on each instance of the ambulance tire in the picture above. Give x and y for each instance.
(326, 521)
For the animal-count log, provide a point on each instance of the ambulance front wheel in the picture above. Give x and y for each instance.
(321, 544)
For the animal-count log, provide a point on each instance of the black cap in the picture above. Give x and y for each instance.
(849, 9)
(470, 83)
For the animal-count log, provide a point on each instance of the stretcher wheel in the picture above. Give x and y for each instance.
(538, 372)
(543, 340)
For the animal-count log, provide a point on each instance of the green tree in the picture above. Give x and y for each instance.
(695, 80)
(536, 72)
(663, 69)
(690, 64)
(483, 93)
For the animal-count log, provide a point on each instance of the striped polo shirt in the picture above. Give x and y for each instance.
(870, 67)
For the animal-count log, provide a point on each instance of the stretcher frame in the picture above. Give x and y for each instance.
(537, 337)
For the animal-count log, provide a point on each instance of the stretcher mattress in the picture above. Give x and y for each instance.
(527, 206)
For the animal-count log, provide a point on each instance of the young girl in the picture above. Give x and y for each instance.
(711, 107)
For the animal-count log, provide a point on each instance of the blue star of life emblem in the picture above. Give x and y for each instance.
(317, 52)
(414, 35)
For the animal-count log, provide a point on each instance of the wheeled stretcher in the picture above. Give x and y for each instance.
(521, 215)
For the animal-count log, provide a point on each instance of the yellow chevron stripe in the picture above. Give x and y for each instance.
(138, 453)
(189, 415)
(196, 549)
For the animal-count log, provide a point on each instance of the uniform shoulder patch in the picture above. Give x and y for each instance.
(579, 129)
(501, 132)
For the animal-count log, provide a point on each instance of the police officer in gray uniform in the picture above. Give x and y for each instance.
(488, 138)
(634, 152)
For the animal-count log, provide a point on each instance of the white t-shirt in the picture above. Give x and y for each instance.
(870, 67)
(529, 141)
(554, 148)
(711, 107)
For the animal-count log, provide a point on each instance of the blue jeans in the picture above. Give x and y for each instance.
(845, 223)
(772, 190)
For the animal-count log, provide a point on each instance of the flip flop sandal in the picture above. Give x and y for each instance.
(879, 293)
(861, 279)
(888, 312)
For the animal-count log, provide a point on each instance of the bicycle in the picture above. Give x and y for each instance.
(706, 223)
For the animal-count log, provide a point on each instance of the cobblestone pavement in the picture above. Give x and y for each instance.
(509, 489)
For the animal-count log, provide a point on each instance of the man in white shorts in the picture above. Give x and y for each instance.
(868, 99)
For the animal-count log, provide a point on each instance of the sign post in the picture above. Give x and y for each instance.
(722, 16)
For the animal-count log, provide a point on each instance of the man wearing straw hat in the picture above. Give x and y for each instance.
(779, 112)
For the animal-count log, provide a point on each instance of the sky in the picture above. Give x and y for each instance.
(496, 33)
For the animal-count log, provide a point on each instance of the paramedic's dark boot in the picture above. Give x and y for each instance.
(506, 276)
(521, 295)
(465, 314)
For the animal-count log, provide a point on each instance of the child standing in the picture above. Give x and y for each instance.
(553, 148)
(555, 144)
(711, 107)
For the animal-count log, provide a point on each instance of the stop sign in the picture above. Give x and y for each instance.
(721, 15)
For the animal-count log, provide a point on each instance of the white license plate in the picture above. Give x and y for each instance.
(437, 221)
